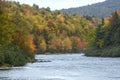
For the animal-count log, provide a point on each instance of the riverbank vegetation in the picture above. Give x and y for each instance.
(16, 45)
(27, 30)
(106, 42)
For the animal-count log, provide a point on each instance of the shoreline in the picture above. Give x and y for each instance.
(5, 68)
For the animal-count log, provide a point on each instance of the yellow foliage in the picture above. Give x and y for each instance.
(43, 45)
(106, 21)
(61, 18)
(67, 44)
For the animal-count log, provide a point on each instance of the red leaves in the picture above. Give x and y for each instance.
(77, 43)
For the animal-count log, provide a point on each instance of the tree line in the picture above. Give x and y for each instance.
(106, 42)
(26, 30)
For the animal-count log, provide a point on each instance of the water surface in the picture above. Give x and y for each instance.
(66, 67)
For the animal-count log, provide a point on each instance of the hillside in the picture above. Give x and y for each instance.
(102, 9)
(25, 30)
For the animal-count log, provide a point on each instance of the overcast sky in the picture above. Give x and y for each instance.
(59, 4)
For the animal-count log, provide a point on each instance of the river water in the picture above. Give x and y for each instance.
(66, 67)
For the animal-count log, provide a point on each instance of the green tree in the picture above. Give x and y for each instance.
(115, 29)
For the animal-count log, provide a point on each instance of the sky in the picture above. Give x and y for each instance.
(59, 4)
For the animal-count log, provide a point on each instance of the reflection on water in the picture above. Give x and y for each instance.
(66, 67)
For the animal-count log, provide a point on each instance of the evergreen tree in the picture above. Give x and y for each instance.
(115, 29)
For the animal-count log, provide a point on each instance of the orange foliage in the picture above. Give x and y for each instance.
(31, 46)
(91, 24)
(51, 23)
(118, 11)
(46, 29)
(53, 42)
(78, 43)
(107, 20)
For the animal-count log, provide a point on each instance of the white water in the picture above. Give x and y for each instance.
(66, 67)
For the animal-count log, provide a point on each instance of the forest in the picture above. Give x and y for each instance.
(28, 30)
(106, 42)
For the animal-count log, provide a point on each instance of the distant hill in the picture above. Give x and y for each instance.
(101, 9)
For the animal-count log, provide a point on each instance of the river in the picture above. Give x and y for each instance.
(66, 67)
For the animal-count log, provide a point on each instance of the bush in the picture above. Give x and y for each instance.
(104, 52)
(13, 56)
(1, 56)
